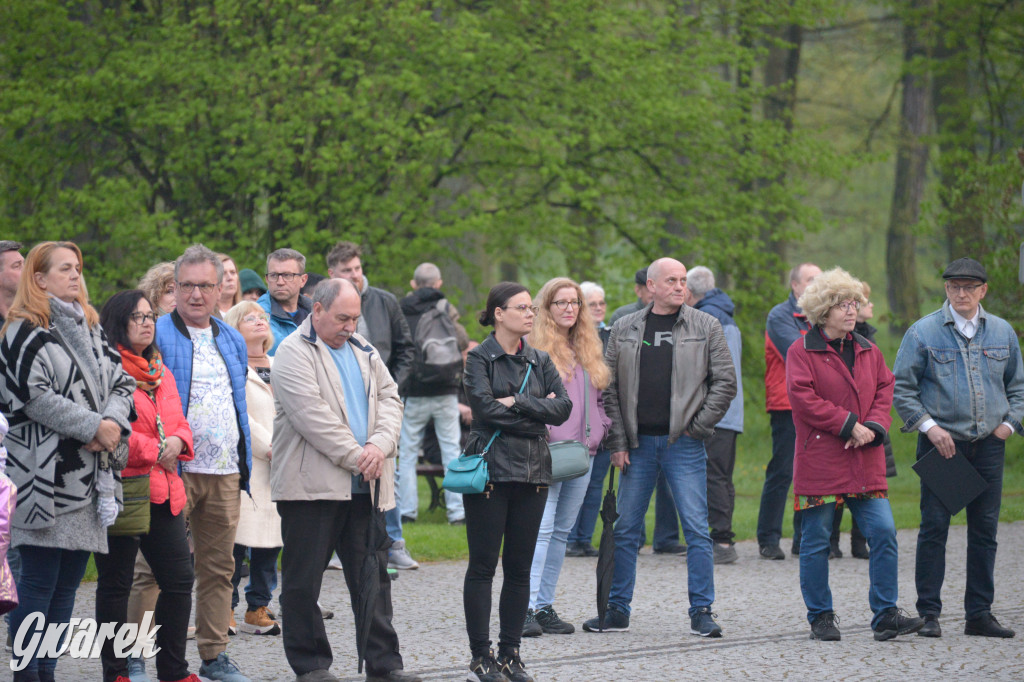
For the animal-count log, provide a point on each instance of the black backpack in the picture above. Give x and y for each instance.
(438, 360)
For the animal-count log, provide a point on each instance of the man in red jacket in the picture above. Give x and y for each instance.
(786, 323)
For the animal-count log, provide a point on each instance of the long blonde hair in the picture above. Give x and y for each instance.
(32, 303)
(583, 338)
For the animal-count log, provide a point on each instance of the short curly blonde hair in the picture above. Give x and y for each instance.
(828, 290)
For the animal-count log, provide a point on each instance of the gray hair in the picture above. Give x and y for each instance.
(287, 254)
(196, 254)
(700, 280)
(589, 288)
(426, 275)
(794, 274)
(8, 245)
(328, 290)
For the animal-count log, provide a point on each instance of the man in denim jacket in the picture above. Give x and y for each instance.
(960, 384)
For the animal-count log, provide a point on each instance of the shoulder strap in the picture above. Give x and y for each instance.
(586, 404)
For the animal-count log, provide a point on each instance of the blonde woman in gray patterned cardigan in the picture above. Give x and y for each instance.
(67, 399)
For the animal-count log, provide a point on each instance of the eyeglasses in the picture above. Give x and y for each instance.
(254, 318)
(597, 304)
(286, 276)
(188, 287)
(565, 305)
(962, 288)
(522, 308)
(847, 306)
(141, 318)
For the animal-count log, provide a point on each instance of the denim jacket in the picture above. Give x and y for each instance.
(968, 386)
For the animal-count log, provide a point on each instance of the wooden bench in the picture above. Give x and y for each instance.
(434, 473)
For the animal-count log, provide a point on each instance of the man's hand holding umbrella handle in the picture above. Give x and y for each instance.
(942, 441)
(371, 462)
(620, 459)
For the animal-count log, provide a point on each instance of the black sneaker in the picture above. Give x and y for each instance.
(574, 549)
(511, 666)
(824, 627)
(773, 552)
(859, 549)
(485, 669)
(931, 627)
(531, 628)
(614, 621)
(834, 552)
(895, 622)
(703, 623)
(986, 625)
(551, 623)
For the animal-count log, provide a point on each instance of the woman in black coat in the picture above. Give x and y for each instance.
(519, 466)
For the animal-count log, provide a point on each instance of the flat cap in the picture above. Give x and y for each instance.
(641, 277)
(966, 268)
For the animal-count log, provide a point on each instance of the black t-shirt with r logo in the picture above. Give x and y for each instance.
(654, 400)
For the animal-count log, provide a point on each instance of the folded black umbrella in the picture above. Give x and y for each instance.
(371, 575)
(606, 550)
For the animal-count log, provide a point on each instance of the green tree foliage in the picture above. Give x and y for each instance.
(525, 137)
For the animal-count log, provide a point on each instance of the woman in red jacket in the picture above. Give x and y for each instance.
(160, 438)
(841, 394)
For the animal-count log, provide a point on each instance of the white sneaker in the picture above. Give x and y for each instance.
(334, 564)
(399, 557)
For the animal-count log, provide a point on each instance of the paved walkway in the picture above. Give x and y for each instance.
(758, 605)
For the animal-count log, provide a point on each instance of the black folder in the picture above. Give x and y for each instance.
(954, 481)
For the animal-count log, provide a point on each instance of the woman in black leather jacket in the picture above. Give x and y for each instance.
(519, 465)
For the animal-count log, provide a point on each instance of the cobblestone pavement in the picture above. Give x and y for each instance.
(758, 605)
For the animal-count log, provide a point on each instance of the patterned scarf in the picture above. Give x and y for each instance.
(147, 373)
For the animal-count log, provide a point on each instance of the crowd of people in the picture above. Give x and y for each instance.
(210, 422)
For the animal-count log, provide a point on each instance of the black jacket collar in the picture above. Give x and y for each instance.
(815, 341)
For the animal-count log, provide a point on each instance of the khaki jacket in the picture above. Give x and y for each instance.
(315, 453)
(703, 377)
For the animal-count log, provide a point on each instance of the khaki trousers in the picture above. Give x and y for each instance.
(212, 510)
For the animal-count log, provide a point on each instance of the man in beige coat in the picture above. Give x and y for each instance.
(335, 434)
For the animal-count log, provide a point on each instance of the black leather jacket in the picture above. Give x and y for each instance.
(387, 331)
(520, 454)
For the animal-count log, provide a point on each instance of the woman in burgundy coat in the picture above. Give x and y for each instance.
(841, 393)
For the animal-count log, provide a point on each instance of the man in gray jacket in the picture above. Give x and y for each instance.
(335, 434)
(672, 381)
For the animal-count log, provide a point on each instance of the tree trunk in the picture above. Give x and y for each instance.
(965, 227)
(908, 186)
(780, 73)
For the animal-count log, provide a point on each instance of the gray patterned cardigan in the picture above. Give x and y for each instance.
(56, 385)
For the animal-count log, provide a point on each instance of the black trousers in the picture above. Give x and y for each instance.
(166, 550)
(311, 531)
(512, 511)
(721, 449)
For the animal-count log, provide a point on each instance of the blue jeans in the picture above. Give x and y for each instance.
(684, 463)
(666, 518)
(778, 476)
(14, 563)
(262, 575)
(393, 520)
(49, 580)
(419, 410)
(874, 518)
(982, 523)
(560, 511)
(583, 531)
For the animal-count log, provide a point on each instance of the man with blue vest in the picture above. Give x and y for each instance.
(208, 360)
(283, 302)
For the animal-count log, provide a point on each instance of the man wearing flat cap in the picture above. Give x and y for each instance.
(960, 384)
